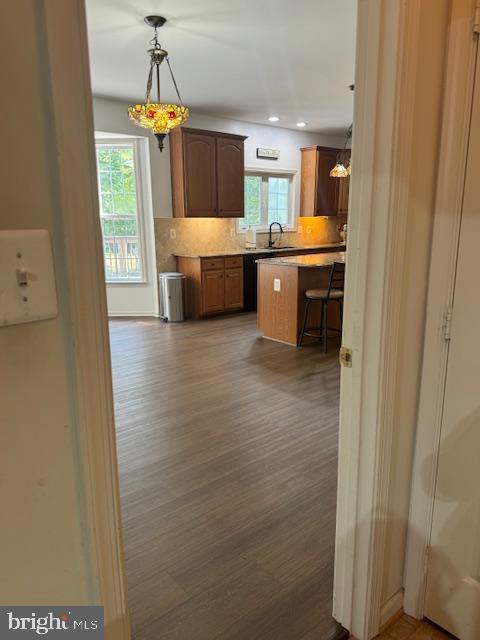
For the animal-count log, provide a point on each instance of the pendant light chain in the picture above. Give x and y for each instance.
(149, 83)
(153, 63)
(174, 82)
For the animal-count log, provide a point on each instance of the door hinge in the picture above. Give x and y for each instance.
(447, 324)
(345, 357)
(476, 19)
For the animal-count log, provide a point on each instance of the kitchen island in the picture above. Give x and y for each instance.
(282, 282)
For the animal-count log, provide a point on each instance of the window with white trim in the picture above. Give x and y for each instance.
(120, 214)
(269, 197)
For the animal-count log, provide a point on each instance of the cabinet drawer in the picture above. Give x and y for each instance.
(212, 263)
(233, 262)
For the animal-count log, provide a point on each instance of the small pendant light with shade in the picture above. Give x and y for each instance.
(343, 167)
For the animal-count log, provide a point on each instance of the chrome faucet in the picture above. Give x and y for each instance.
(270, 241)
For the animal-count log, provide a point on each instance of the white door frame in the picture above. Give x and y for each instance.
(460, 79)
(383, 117)
(68, 79)
(388, 49)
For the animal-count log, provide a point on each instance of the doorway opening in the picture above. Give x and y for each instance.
(227, 422)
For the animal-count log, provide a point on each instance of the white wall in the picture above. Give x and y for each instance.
(111, 115)
(45, 546)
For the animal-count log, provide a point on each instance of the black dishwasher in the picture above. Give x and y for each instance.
(250, 279)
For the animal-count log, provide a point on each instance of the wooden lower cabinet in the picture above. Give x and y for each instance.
(234, 289)
(214, 285)
(213, 291)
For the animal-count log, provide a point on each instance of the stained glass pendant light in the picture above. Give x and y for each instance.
(159, 117)
(343, 168)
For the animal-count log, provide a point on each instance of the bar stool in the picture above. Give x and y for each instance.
(334, 293)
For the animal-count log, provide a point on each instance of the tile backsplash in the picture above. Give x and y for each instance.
(208, 235)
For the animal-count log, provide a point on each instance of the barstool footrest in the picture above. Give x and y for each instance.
(314, 332)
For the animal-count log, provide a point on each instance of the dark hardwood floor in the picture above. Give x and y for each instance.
(227, 449)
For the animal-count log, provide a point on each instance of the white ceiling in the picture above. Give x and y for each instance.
(241, 59)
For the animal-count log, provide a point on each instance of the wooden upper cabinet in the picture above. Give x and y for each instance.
(230, 177)
(207, 171)
(327, 187)
(343, 193)
(321, 195)
(200, 176)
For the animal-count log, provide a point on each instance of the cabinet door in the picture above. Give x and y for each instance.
(343, 191)
(230, 177)
(327, 187)
(200, 175)
(213, 291)
(234, 288)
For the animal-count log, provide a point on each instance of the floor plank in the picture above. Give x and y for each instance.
(408, 628)
(227, 448)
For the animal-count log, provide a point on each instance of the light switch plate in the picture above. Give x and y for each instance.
(27, 278)
(173, 234)
(276, 284)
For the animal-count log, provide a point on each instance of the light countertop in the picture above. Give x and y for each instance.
(243, 252)
(312, 260)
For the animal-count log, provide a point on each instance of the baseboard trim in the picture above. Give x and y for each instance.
(289, 344)
(151, 314)
(391, 610)
(340, 633)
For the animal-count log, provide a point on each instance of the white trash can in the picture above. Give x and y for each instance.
(171, 293)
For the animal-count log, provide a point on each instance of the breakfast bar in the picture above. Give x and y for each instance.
(282, 282)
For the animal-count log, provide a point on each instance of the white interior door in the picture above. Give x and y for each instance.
(453, 577)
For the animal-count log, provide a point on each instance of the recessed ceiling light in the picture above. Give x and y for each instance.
(301, 124)
(273, 119)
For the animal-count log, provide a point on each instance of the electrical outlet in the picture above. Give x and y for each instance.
(276, 284)
(173, 234)
(309, 229)
(300, 229)
(232, 232)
